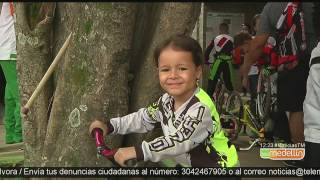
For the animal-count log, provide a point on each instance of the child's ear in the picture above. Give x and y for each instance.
(199, 72)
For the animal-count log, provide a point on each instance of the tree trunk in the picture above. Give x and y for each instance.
(34, 47)
(108, 62)
(164, 20)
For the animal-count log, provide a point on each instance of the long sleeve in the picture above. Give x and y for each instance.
(141, 121)
(194, 129)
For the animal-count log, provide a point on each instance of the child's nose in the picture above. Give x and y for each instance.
(173, 73)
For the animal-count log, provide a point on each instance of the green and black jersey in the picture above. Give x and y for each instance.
(192, 134)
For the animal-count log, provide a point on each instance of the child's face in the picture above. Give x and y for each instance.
(177, 73)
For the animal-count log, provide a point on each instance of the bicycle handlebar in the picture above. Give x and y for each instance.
(102, 149)
(105, 151)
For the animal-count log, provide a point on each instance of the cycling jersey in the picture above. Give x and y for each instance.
(291, 36)
(221, 46)
(192, 134)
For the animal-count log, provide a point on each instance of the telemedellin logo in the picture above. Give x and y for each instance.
(282, 153)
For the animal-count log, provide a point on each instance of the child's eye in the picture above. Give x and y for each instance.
(164, 69)
(182, 69)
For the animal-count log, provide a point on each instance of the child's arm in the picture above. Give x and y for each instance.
(142, 121)
(137, 122)
(194, 130)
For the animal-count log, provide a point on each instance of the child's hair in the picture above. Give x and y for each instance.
(181, 42)
(241, 38)
(316, 15)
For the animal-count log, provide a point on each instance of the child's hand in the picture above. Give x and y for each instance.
(100, 125)
(124, 154)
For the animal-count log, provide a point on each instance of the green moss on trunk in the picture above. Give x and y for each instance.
(88, 26)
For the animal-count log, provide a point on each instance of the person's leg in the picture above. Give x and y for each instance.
(9, 104)
(281, 127)
(296, 126)
(253, 82)
(211, 87)
(9, 121)
(215, 72)
(227, 78)
(291, 93)
(13, 82)
(13, 89)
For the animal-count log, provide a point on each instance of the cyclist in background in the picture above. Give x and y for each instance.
(222, 47)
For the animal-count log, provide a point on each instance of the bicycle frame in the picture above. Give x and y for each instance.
(252, 122)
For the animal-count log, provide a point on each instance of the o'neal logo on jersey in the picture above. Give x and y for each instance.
(188, 127)
(183, 134)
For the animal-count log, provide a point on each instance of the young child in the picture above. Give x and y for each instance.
(192, 132)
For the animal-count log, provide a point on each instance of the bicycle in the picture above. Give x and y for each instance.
(240, 114)
(105, 151)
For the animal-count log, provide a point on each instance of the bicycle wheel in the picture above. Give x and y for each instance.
(234, 112)
(263, 96)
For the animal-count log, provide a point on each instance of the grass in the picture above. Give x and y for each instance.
(11, 160)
